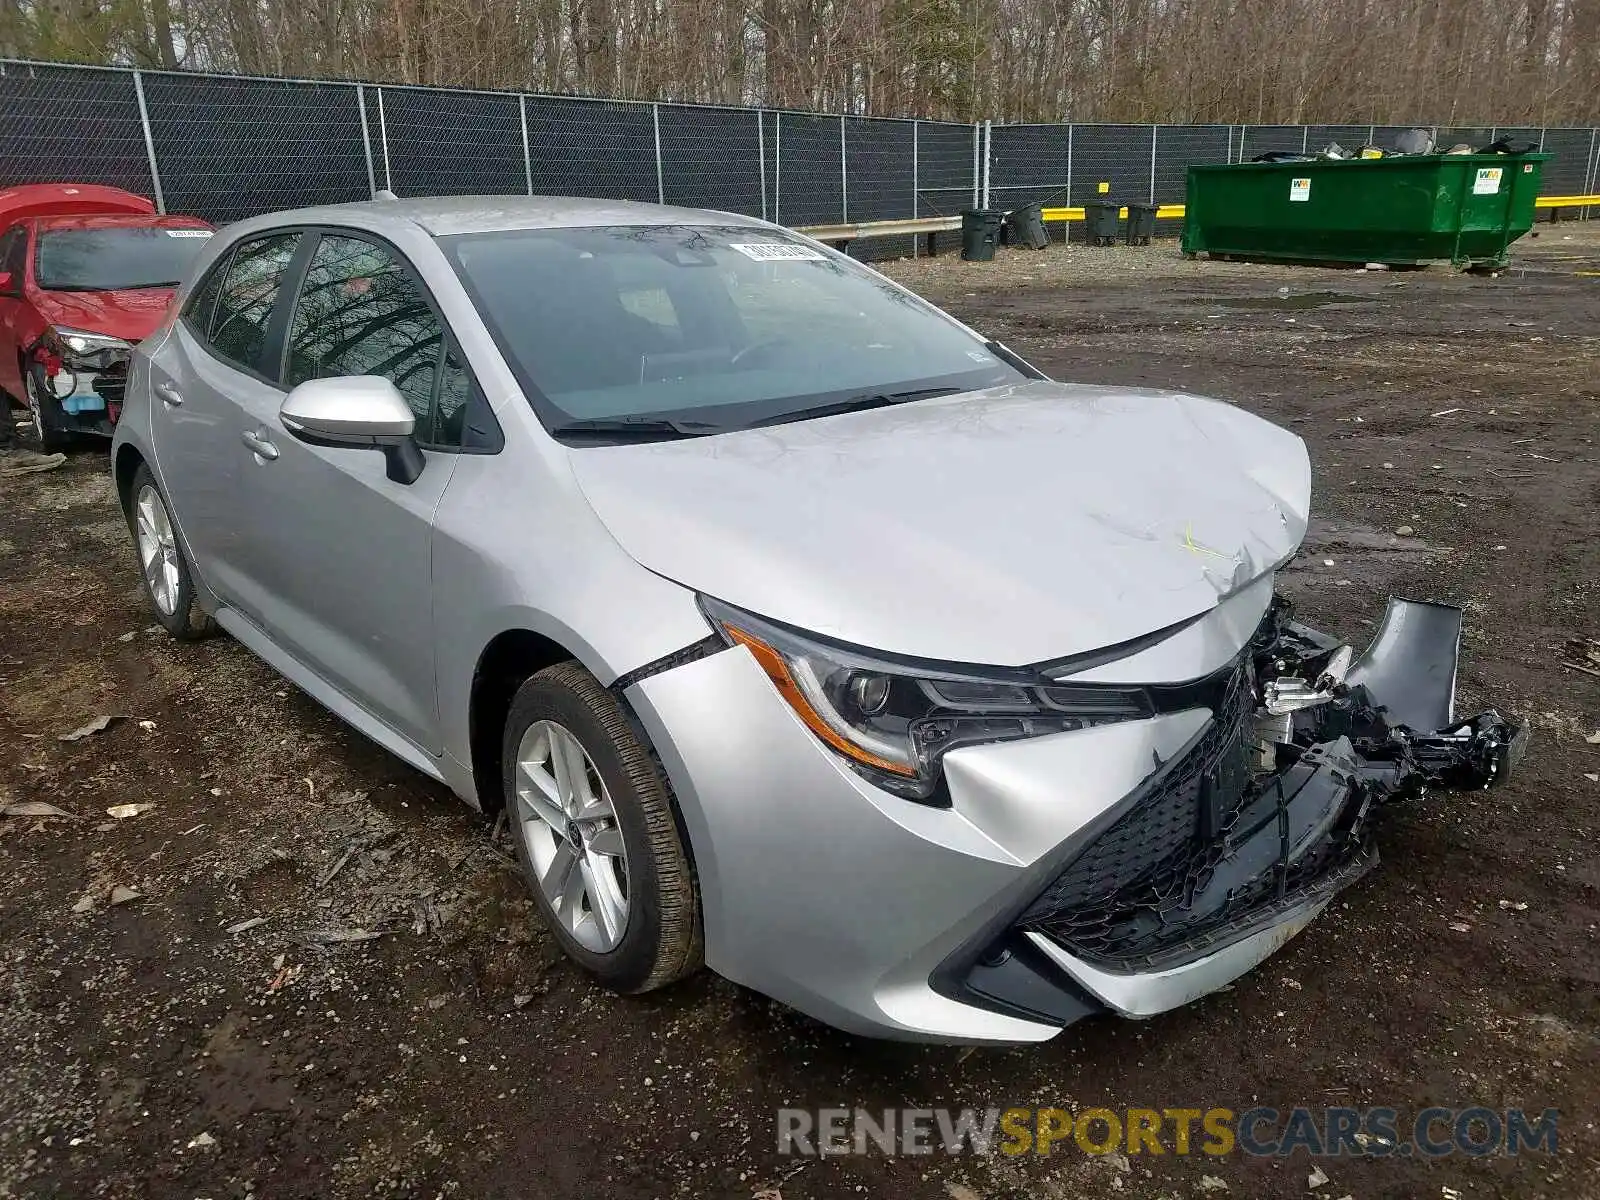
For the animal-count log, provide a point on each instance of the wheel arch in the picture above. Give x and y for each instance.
(124, 467)
(508, 659)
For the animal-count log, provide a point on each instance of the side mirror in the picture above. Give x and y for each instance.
(7, 287)
(358, 412)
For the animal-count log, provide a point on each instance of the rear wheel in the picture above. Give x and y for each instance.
(595, 832)
(163, 568)
(45, 409)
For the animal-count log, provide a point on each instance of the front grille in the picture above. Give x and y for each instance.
(1128, 897)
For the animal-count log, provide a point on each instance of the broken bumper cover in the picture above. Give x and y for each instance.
(1239, 841)
(1068, 877)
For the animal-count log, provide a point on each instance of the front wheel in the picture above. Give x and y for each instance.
(48, 419)
(593, 822)
(163, 567)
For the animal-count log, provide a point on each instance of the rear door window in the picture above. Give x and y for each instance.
(247, 299)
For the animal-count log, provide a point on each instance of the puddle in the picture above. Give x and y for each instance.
(1292, 303)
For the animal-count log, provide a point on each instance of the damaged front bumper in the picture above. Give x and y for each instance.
(1127, 867)
(1240, 839)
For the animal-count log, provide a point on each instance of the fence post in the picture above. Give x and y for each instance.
(366, 139)
(1594, 169)
(988, 153)
(661, 186)
(1153, 129)
(1305, 139)
(761, 157)
(844, 176)
(149, 142)
(527, 154)
(1372, 135)
(1067, 235)
(777, 165)
(383, 136)
(977, 142)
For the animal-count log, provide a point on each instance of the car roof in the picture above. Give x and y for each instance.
(40, 199)
(443, 216)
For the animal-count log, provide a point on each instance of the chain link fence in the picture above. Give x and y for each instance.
(226, 147)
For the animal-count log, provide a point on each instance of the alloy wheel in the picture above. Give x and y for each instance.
(568, 825)
(158, 548)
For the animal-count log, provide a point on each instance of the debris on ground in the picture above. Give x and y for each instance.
(243, 926)
(202, 1141)
(1583, 654)
(35, 808)
(122, 894)
(99, 725)
(1317, 1178)
(123, 811)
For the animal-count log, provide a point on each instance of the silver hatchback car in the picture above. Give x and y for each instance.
(800, 630)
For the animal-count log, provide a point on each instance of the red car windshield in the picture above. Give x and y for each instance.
(115, 259)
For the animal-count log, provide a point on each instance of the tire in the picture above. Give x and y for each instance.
(47, 416)
(658, 939)
(171, 594)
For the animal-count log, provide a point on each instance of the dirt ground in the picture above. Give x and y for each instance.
(330, 983)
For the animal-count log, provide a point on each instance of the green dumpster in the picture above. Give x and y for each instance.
(1466, 209)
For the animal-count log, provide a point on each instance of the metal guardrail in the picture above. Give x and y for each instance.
(931, 227)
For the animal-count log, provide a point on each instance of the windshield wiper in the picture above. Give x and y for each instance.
(633, 428)
(134, 287)
(856, 404)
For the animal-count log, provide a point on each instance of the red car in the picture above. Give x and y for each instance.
(85, 272)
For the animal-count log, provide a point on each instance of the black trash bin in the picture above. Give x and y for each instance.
(980, 233)
(1025, 227)
(1101, 218)
(1141, 224)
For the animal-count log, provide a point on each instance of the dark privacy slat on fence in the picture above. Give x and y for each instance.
(944, 168)
(1567, 173)
(1476, 136)
(452, 143)
(230, 148)
(1351, 137)
(78, 125)
(1027, 165)
(1262, 139)
(810, 183)
(591, 148)
(1118, 155)
(710, 158)
(878, 162)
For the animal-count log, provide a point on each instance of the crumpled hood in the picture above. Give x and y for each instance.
(1010, 526)
(132, 315)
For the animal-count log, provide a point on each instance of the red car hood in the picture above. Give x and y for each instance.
(131, 315)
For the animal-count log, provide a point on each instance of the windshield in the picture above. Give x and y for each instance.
(115, 259)
(707, 329)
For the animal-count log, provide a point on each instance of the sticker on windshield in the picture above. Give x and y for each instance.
(188, 233)
(776, 251)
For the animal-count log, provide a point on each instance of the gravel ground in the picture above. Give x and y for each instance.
(297, 969)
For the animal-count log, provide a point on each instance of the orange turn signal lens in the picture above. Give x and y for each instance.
(778, 671)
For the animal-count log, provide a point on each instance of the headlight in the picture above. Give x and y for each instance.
(82, 342)
(895, 720)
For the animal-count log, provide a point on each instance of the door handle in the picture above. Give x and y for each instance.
(260, 445)
(169, 395)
